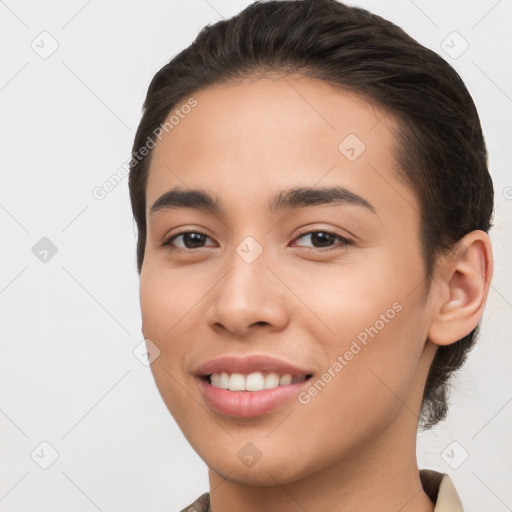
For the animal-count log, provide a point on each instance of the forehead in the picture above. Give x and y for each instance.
(269, 133)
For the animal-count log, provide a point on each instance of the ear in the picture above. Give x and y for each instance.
(462, 280)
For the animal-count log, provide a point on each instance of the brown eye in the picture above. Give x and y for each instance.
(324, 239)
(187, 240)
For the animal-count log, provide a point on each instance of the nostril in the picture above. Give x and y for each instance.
(261, 323)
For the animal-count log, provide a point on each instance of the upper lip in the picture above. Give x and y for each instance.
(249, 364)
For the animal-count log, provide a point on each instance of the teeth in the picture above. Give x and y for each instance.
(236, 382)
(224, 380)
(215, 380)
(285, 380)
(255, 381)
(271, 381)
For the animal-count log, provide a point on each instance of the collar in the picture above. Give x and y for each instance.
(440, 489)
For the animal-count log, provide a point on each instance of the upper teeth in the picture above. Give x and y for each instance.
(253, 382)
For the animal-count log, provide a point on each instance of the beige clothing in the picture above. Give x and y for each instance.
(437, 486)
(440, 489)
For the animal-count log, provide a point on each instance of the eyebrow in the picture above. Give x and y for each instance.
(293, 198)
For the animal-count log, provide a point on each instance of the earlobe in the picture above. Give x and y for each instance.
(463, 280)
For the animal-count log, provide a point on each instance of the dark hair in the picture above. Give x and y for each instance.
(440, 150)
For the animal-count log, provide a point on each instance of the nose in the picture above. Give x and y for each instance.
(247, 298)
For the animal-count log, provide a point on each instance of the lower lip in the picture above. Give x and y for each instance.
(248, 404)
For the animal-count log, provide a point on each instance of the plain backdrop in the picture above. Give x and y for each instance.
(75, 398)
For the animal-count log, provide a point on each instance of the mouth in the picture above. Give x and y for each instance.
(250, 385)
(253, 382)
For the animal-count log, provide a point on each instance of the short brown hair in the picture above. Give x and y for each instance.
(441, 154)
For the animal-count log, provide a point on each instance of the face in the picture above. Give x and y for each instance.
(320, 298)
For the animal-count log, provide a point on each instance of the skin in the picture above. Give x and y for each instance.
(353, 446)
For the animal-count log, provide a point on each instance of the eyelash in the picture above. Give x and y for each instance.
(345, 242)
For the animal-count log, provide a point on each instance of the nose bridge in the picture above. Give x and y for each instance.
(248, 271)
(247, 294)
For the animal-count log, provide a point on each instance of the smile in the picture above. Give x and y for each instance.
(247, 386)
(256, 381)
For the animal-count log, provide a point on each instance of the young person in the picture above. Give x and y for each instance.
(312, 197)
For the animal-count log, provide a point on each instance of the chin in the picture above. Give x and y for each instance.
(260, 475)
(268, 471)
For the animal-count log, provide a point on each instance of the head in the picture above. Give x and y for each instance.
(313, 94)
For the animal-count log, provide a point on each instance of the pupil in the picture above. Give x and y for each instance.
(194, 237)
(327, 237)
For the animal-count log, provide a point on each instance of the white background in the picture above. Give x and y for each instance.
(69, 326)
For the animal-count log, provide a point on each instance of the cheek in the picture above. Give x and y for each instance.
(163, 313)
(167, 297)
(348, 299)
(171, 304)
(369, 330)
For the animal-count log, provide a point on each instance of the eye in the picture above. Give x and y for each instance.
(324, 239)
(188, 240)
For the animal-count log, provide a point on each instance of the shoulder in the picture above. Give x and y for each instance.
(202, 504)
